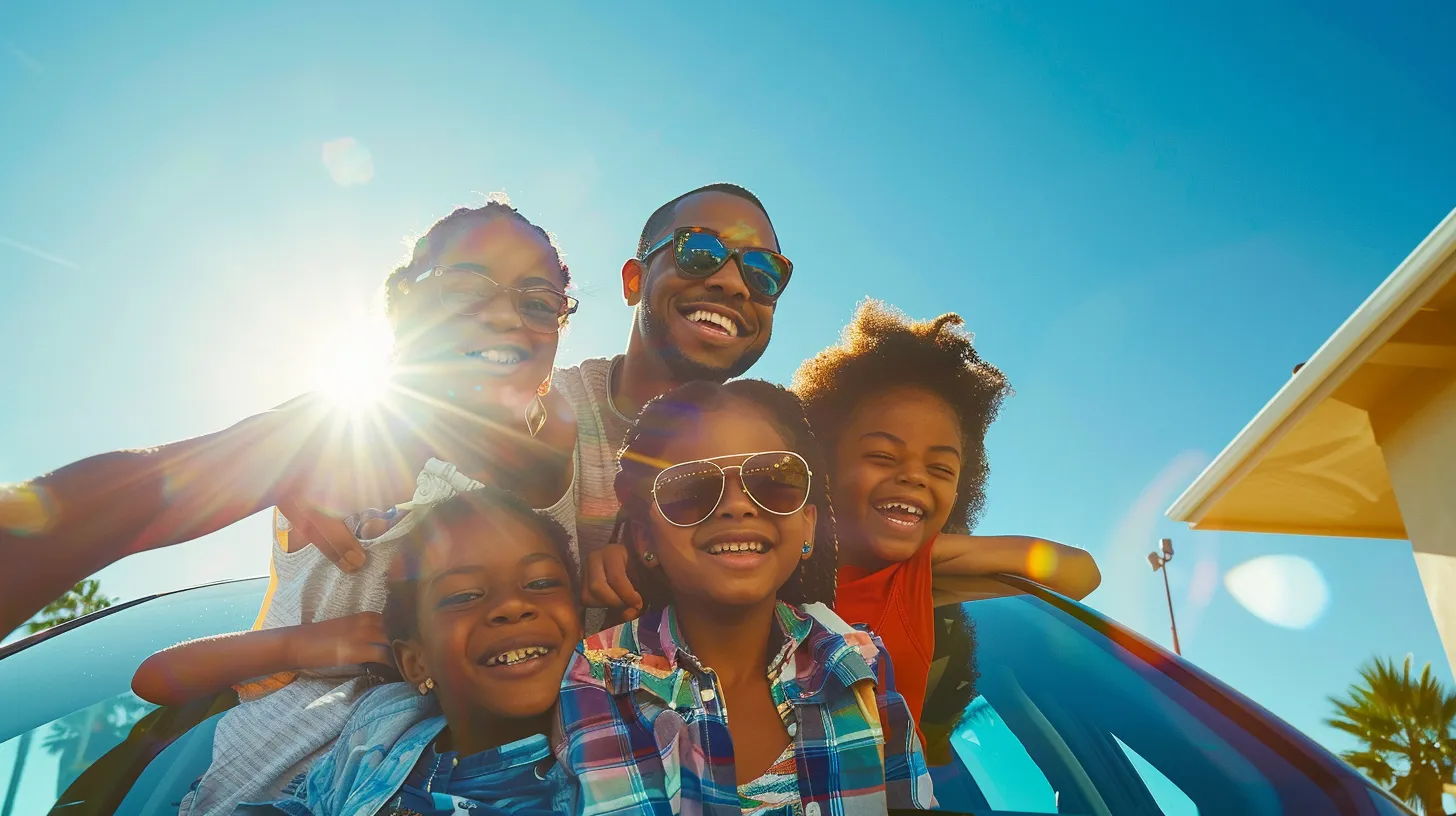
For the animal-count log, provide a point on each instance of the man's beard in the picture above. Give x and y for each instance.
(682, 368)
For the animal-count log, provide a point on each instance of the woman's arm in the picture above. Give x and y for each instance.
(61, 527)
(207, 666)
(1067, 570)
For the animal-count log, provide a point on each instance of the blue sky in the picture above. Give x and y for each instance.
(1147, 216)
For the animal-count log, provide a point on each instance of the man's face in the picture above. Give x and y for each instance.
(674, 314)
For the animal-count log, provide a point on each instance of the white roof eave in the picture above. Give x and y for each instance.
(1401, 295)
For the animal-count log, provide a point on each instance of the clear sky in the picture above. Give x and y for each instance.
(1147, 216)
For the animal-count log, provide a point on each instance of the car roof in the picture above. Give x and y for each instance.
(46, 634)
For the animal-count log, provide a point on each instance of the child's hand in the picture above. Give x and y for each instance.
(606, 583)
(348, 641)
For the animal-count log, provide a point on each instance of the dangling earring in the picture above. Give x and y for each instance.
(536, 409)
(807, 550)
(427, 686)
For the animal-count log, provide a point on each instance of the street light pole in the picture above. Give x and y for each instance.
(1159, 560)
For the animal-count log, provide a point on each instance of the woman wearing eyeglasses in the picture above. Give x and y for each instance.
(736, 691)
(476, 313)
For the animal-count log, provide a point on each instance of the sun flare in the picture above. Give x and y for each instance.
(355, 370)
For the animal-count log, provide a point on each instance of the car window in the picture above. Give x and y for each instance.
(1007, 776)
(79, 739)
(1170, 798)
(1047, 712)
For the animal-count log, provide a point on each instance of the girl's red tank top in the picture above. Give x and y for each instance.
(896, 603)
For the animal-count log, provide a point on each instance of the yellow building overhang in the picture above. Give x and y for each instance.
(1310, 462)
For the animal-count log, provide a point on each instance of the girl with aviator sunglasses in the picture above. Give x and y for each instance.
(727, 515)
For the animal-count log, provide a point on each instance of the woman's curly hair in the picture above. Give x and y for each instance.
(677, 413)
(882, 349)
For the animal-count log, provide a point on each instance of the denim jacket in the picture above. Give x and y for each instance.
(380, 750)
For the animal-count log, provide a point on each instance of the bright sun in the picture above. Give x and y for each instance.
(354, 371)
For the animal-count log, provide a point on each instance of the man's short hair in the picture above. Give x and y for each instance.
(661, 219)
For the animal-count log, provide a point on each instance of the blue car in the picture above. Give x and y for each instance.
(1037, 705)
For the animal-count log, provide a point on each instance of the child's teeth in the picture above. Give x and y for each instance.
(517, 655)
(736, 546)
(912, 510)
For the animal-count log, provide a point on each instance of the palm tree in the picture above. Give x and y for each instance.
(81, 599)
(1405, 723)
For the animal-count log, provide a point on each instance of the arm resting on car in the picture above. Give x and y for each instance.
(1067, 570)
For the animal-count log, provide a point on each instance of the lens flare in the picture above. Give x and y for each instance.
(1041, 561)
(355, 372)
(26, 509)
(1284, 590)
(348, 162)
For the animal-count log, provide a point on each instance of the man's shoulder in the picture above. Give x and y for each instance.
(591, 368)
(588, 387)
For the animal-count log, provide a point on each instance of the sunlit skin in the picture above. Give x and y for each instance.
(315, 462)
(740, 580)
(489, 586)
(904, 446)
(666, 349)
(901, 445)
(727, 601)
(669, 296)
(439, 352)
(450, 403)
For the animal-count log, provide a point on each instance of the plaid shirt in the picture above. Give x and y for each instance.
(642, 726)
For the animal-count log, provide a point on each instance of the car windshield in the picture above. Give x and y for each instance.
(1035, 706)
(68, 703)
(1033, 710)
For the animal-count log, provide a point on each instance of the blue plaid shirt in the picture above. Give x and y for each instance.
(642, 728)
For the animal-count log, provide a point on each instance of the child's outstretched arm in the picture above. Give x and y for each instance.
(1067, 570)
(207, 666)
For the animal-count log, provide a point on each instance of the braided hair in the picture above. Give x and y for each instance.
(427, 247)
(674, 414)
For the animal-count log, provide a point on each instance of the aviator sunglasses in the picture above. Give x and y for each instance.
(688, 494)
(700, 252)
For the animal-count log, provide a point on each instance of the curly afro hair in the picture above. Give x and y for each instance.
(882, 349)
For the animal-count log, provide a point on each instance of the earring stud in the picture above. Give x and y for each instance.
(427, 686)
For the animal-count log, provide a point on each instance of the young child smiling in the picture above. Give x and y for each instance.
(903, 408)
(482, 615)
(736, 691)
